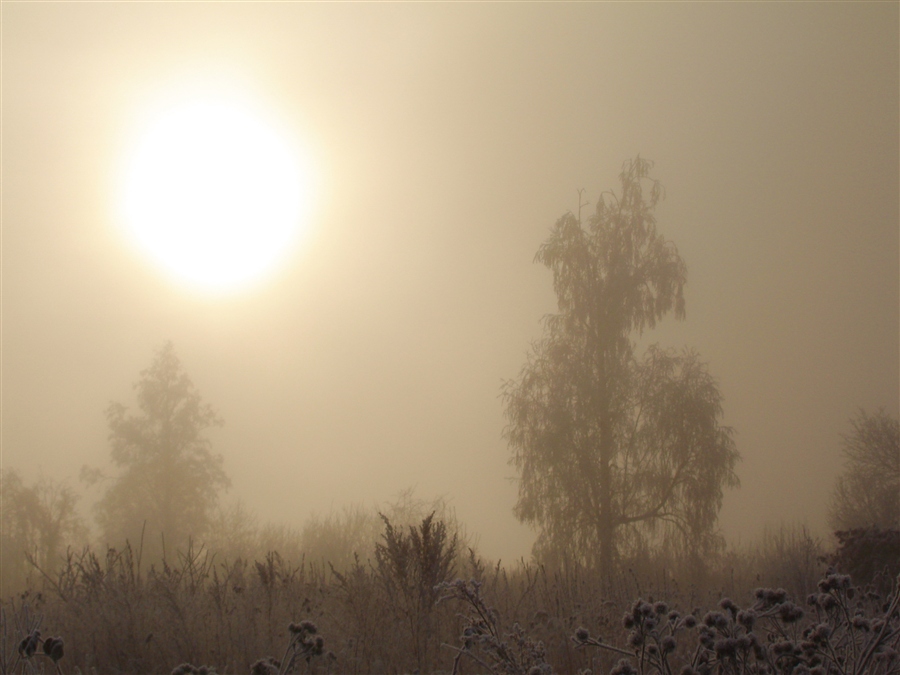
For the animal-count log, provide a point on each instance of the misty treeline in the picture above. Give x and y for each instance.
(622, 458)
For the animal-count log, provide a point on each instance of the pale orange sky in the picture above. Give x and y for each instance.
(449, 139)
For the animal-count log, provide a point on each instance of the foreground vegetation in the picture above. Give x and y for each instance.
(422, 603)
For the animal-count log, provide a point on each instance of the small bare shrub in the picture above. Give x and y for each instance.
(484, 641)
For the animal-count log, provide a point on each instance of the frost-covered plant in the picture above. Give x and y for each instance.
(304, 645)
(51, 647)
(410, 566)
(652, 636)
(484, 641)
(31, 647)
(853, 632)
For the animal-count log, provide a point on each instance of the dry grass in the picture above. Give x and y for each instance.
(118, 614)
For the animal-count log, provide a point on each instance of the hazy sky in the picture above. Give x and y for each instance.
(447, 139)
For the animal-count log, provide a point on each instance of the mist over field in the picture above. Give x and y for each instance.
(443, 142)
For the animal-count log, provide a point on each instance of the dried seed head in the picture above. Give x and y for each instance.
(53, 647)
(790, 613)
(716, 620)
(746, 617)
(861, 623)
(728, 604)
(28, 646)
(624, 667)
(264, 667)
(58, 651)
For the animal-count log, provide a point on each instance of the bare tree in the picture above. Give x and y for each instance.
(867, 494)
(612, 449)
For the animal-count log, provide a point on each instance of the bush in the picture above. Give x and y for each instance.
(869, 555)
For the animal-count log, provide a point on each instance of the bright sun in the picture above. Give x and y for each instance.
(214, 195)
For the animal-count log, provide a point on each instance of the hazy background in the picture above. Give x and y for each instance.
(449, 138)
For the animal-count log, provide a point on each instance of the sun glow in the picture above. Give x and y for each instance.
(215, 195)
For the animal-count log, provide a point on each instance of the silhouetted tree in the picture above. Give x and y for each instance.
(612, 449)
(867, 494)
(168, 476)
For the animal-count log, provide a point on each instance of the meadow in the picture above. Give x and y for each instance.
(421, 601)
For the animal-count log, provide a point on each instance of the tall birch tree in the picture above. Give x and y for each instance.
(613, 449)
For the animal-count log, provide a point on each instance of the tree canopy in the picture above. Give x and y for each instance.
(867, 493)
(168, 476)
(614, 450)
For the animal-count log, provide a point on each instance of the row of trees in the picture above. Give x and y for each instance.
(616, 451)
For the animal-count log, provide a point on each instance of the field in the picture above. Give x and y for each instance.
(422, 604)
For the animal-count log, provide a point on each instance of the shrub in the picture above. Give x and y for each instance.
(869, 555)
(410, 566)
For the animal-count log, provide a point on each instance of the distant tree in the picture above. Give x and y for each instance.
(37, 523)
(869, 555)
(612, 449)
(867, 493)
(233, 531)
(168, 476)
(339, 538)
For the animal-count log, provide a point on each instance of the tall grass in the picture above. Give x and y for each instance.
(400, 610)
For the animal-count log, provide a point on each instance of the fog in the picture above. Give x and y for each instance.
(447, 140)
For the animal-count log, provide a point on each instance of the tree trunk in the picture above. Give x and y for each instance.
(607, 531)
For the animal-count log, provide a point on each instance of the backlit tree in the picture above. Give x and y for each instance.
(613, 449)
(867, 493)
(168, 476)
